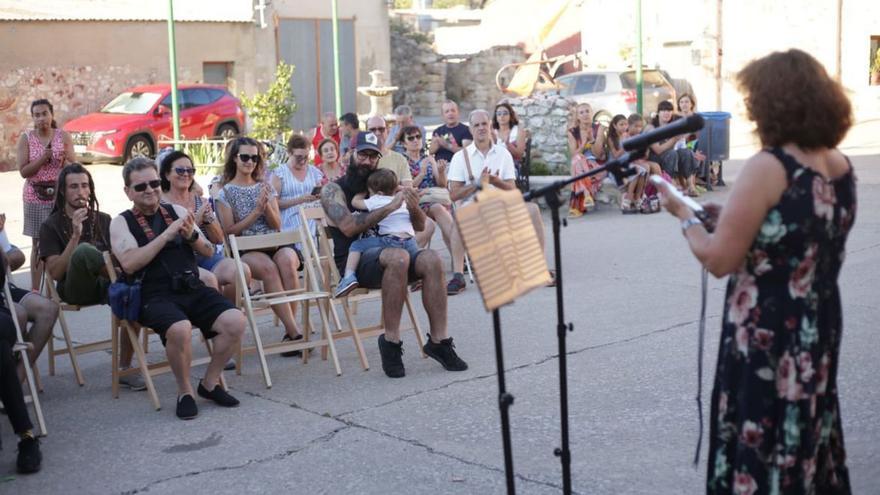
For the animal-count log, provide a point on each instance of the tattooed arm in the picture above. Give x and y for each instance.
(352, 224)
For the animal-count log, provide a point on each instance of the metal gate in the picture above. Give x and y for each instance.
(308, 45)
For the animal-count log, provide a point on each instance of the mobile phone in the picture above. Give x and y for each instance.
(316, 191)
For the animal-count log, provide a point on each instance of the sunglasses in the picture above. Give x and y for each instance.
(182, 171)
(502, 113)
(415, 137)
(300, 158)
(376, 129)
(365, 155)
(246, 158)
(153, 184)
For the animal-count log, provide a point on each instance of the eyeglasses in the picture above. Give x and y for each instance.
(300, 158)
(182, 171)
(415, 137)
(246, 158)
(501, 113)
(153, 184)
(376, 129)
(366, 155)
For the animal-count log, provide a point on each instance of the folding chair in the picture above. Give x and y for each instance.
(330, 277)
(467, 259)
(147, 371)
(21, 348)
(251, 303)
(74, 351)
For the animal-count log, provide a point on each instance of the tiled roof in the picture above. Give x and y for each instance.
(126, 10)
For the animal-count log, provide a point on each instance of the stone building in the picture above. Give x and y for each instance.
(81, 53)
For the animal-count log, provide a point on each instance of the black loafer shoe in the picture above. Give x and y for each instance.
(444, 353)
(186, 407)
(218, 395)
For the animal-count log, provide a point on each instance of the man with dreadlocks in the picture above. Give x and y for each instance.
(72, 242)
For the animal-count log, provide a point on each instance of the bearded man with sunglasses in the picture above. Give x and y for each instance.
(389, 268)
(156, 244)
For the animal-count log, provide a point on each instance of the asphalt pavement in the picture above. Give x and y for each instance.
(632, 291)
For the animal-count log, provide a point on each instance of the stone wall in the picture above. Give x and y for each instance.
(547, 117)
(418, 71)
(471, 82)
(73, 91)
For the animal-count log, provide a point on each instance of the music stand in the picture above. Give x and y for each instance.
(507, 261)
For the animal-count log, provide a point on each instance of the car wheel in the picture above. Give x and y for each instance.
(138, 146)
(227, 131)
(602, 117)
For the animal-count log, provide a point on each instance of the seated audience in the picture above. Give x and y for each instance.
(327, 129)
(428, 173)
(332, 166)
(450, 137)
(29, 455)
(403, 117)
(649, 202)
(687, 106)
(349, 126)
(395, 230)
(509, 133)
(247, 205)
(157, 243)
(297, 182)
(581, 145)
(672, 154)
(177, 172)
(389, 268)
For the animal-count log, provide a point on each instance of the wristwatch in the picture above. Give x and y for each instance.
(193, 237)
(688, 223)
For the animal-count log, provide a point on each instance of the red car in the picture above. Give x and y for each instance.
(133, 122)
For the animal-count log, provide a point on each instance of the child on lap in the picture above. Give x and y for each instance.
(395, 230)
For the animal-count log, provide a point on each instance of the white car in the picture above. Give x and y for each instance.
(614, 92)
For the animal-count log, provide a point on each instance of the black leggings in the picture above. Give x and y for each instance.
(10, 387)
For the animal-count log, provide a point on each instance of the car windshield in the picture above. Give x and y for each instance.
(132, 103)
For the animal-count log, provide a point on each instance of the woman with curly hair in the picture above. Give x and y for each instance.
(775, 423)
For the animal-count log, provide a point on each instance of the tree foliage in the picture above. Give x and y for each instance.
(270, 112)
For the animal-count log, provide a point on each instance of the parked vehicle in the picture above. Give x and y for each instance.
(614, 92)
(138, 118)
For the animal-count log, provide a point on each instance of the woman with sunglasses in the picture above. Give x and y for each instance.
(176, 171)
(509, 133)
(297, 182)
(247, 205)
(427, 173)
(331, 165)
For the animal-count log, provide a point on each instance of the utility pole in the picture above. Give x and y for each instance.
(719, 53)
(336, 85)
(172, 61)
(640, 93)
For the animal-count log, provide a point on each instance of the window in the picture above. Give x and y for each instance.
(589, 83)
(651, 79)
(196, 97)
(217, 73)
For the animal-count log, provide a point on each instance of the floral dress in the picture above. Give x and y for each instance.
(775, 419)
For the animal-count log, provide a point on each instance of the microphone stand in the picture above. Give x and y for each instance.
(550, 193)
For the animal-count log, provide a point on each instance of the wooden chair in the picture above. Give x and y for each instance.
(21, 348)
(119, 329)
(311, 291)
(74, 351)
(330, 277)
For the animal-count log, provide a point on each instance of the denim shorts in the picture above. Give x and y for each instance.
(385, 241)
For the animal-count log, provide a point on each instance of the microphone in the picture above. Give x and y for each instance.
(681, 126)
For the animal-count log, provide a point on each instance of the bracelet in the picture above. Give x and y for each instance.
(688, 223)
(194, 237)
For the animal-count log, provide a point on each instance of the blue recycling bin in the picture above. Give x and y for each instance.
(714, 139)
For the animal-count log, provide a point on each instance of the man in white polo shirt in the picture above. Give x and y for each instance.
(485, 158)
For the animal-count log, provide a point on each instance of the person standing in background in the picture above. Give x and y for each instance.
(42, 152)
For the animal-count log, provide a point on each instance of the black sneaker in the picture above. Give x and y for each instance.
(186, 407)
(391, 353)
(218, 395)
(29, 455)
(287, 338)
(444, 353)
(457, 285)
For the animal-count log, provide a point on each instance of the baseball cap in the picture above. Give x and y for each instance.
(368, 141)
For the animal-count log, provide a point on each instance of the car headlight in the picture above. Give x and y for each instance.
(99, 134)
